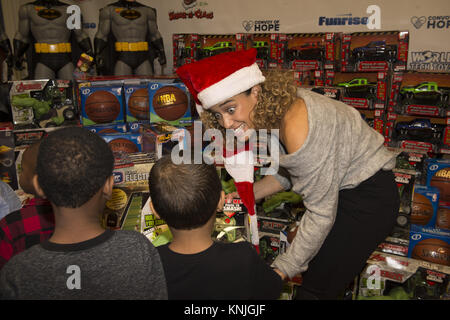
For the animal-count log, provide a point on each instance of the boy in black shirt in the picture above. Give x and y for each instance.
(187, 197)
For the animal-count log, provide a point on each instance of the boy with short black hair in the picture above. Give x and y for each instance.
(81, 260)
(187, 197)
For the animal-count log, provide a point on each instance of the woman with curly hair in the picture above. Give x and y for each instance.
(328, 154)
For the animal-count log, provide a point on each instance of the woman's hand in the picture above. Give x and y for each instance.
(281, 274)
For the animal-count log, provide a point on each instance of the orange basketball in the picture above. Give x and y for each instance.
(441, 180)
(432, 250)
(123, 145)
(443, 218)
(138, 104)
(102, 106)
(422, 209)
(170, 103)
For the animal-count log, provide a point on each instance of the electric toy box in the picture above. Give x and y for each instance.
(420, 94)
(42, 104)
(100, 105)
(390, 277)
(154, 228)
(363, 90)
(419, 134)
(430, 244)
(312, 51)
(130, 180)
(374, 51)
(170, 103)
(185, 49)
(425, 204)
(121, 143)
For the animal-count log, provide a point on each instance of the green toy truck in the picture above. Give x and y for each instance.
(218, 47)
(426, 91)
(359, 88)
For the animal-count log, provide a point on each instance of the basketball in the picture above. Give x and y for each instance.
(102, 107)
(123, 145)
(170, 103)
(432, 250)
(443, 218)
(441, 180)
(422, 210)
(138, 104)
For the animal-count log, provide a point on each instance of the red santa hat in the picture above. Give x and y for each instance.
(214, 79)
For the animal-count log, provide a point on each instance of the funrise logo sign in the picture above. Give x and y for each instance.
(372, 21)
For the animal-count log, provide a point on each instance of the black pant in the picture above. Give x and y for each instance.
(365, 217)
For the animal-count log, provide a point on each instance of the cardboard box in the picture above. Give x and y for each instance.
(438, 176)
(424, 207)
(430, 244)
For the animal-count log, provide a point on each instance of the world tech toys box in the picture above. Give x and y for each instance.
(101, 105)
(170, 103)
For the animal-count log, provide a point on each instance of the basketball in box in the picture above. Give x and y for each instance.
(108, 128)
(432, 245)
(443, 217)
(169, 103)
(424, 206)
(137, 106)
(124, 142)
(438, 175)
(101, 105)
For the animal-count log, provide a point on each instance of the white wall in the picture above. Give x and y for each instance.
(294, 16)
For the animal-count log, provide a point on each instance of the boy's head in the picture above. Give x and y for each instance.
(185, 196)
(73, 165)
(28, 165)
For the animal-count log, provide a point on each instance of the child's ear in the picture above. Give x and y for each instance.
(108, 188)
(37, 188)
(221, 202)
(152, 209)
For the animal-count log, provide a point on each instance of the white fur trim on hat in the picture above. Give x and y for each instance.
(237, 82)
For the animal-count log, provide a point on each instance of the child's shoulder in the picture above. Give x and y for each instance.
(243, 246)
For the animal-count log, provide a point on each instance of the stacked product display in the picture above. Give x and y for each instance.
(144, 118)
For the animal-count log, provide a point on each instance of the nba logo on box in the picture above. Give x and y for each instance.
(170, 102)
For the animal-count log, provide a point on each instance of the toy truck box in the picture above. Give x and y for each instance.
(42, 104)
(422, 94)
(422, 134)
(374, 51)
(312, 51)
(390, 277)
(363, 90)
(262, 44)
(185, 49)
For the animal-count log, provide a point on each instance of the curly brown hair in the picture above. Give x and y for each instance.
(277, 95)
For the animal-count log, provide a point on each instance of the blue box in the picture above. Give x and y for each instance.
(108, 128)
(113, 95)
(165, 95)
(424, 197)
(137, 106)
(124, 142)
(429, 244)
(438, 175)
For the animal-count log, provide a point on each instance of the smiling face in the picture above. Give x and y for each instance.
(235, 112)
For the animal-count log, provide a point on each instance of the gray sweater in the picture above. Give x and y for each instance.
(340, 152)
(114, 265)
